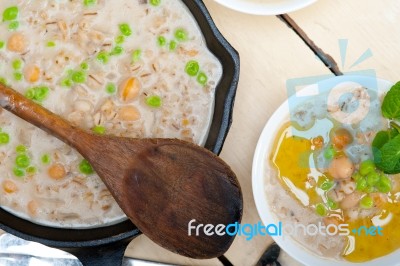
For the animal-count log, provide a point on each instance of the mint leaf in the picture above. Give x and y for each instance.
(396, 169)
(387, 158)
(391, 103)
(381, 138)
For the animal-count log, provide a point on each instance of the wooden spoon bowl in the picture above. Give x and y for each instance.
(160, 184)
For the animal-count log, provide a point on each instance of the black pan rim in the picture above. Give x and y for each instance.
(80, 238)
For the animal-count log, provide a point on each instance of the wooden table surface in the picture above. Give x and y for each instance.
(271, 53)
(350, 36)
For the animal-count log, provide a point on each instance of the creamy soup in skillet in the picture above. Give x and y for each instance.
(330, 169)
(132, 68)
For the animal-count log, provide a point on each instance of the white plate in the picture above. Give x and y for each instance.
(264, 146)
(265, 7)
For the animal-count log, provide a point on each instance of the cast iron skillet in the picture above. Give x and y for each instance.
(106, 245)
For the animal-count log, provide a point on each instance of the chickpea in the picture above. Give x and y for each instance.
(341, 138)
(9, 186)
(348, 186)
(341, 168)
(17, 43)
(336, 195)
(32, 207)
(32, 73)
(318, 142)
(129, 113)
(57, 171)
(350, 201)
(129, 89)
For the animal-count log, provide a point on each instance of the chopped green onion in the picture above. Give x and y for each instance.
(67, 82)
(320, 209)
(41, 93)
(161, 41)
(10, 13)
(46, 159)
(78, 77)
(18, 76)
(202, 78)
(22, 161)
(100, 130)
(31, 170)
(125, 29)
(3, 81)
(367, 167)
(120, 39)
(117, 50)
(154, 101)
(172, 45)
(20, 149)
(369, 189)
(384, 185)
(155, 2)
(136, 55)
(85, 167)
(4, 138)
(18, 172)
(192, 68)
(13, 25)
(70, 72)
(85, 66)
(329, 153)
(361, 184)
(181, 35)
(17, 64)
(356, 176)
(111, 88)
(2, 44)
(103, 57)
(51, 44)
(327, 185)
(30, 94)
(89, 2)
(372, 178)
(366, 202)
(333, 205)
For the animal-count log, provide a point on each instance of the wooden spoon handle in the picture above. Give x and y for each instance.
(32, 112)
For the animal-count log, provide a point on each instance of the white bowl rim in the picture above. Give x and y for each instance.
(265, 141)
(245, 6)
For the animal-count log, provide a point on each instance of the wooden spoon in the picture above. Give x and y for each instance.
(160, 184)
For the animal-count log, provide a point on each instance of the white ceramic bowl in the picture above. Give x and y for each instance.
(265, 7)
(261, 163)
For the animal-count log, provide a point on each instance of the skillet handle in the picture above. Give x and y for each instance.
(110, 254)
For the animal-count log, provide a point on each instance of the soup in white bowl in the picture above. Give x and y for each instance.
(317, 168)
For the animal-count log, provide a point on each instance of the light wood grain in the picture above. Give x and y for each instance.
(367, 24)
(143, 248)
(270, 55)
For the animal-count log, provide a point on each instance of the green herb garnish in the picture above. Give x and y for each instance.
(89, 2)
(4, 138)
(154, 101)
(125, 29)
(85, 167)
(10, 13)
(13, 25)
(386, 144)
